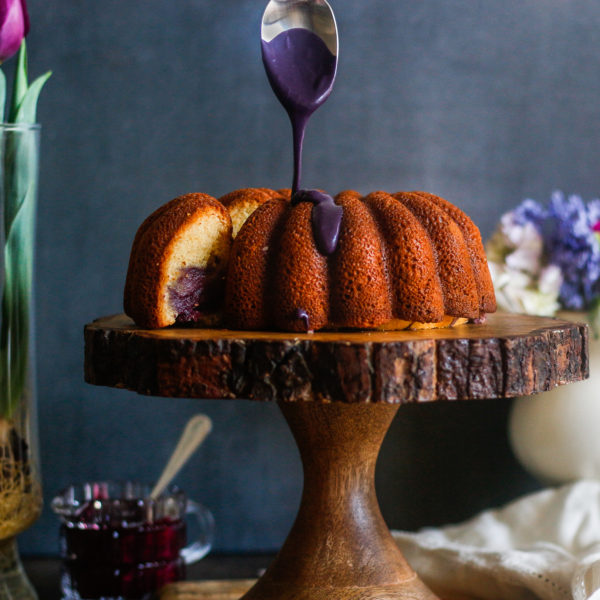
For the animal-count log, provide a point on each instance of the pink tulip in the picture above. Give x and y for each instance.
(14, 26)
(596, 227)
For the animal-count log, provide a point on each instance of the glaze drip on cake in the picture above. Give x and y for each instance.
(301, 315)
(326, 218)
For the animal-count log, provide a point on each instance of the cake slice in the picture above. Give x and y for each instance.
(178, 263)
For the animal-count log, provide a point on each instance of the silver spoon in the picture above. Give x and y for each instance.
(314, 15)
(196, 430)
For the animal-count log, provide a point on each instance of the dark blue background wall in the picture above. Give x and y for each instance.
(481, 102)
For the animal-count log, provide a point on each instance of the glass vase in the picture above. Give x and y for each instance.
(20, 484)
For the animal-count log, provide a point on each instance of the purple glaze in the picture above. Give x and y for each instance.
(326, 218)
(301, 71)
(195, 290)
(302, 315)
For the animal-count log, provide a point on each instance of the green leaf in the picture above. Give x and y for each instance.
(20, 168)
(2, 94)
(28, 107)
(14, 339)
(20, 178)
(20, 83)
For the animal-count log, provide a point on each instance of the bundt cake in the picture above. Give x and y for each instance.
(406, 260)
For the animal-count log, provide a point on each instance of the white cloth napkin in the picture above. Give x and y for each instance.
(530, 549)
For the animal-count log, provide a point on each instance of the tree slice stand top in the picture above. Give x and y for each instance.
(509, 355)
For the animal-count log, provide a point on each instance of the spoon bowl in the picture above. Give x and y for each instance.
(314, 15)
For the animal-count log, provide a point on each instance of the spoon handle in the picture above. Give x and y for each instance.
(197, 428)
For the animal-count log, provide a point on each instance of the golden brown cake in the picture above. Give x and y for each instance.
(242, 203)
(405, 260)
(178, 263)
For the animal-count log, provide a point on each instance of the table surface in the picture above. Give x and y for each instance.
(44, 573)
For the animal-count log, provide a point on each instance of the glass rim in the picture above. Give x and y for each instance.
(20, 126)
(67, 503)
(125, 486)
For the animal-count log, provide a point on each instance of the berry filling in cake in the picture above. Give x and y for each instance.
(196, 290)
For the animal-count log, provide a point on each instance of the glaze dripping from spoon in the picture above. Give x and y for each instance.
(299, 49)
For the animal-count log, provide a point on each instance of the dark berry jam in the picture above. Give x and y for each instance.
(115, 554)
(197, 290)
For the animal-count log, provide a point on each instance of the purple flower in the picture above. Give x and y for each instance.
(14, 26)
(568, 234)
(530, 211)
(571, 244)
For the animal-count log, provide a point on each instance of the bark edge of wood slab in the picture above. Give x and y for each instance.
(508, 356)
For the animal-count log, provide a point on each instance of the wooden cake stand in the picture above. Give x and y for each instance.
(339, 392)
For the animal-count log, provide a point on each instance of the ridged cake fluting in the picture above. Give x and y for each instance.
(401, 259)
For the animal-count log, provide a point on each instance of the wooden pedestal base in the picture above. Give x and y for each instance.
(409, 590)
(339, 547)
